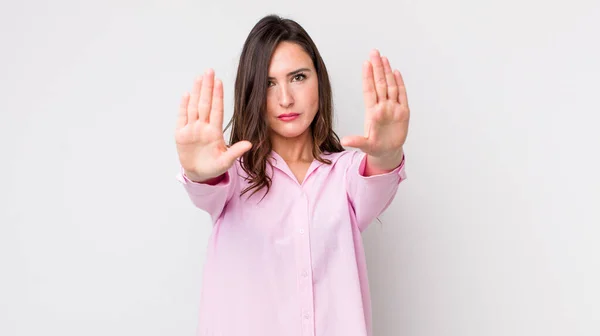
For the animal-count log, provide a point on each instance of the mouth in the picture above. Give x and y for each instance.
(288, 116)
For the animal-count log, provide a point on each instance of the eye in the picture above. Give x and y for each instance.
(269, 83)
(300, 77)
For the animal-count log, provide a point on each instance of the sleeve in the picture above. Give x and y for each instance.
(370, 196)
(210, 198)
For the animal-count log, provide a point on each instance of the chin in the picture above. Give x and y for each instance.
(290, 131)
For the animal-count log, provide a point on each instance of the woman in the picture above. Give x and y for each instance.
(288, 203)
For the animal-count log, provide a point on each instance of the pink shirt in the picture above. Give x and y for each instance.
(292, 264)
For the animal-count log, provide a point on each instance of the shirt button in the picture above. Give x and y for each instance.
(306, 316)
(304, 274)
(301, 231)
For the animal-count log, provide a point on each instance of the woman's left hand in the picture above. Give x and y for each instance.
(387, 112)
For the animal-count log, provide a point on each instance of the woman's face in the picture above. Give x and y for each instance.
(293, 91)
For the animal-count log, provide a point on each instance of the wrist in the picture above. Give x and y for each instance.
(387, 162)
(202, 179)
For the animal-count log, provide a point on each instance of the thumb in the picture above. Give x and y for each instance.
(355, 141)
(236, 150)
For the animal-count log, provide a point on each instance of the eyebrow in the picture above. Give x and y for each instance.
(294, 72)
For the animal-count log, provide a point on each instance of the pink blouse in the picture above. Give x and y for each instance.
(291, 264)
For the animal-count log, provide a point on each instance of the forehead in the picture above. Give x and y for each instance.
(288, 57)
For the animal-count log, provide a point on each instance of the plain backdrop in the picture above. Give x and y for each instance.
(494, 233)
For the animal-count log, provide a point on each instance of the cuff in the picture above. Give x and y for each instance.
(396, 171)
(198, 188)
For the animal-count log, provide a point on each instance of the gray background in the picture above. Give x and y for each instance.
(494, 233)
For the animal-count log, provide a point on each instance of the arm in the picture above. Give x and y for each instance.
(374, 175)
(208, 166)
(213, 195)
(370, 195)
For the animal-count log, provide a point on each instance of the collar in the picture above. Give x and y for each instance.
(279, 163)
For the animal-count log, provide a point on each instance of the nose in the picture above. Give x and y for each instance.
(286, 98)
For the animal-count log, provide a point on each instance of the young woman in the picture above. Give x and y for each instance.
(288, 203)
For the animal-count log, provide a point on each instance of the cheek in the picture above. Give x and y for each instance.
(311, 96)
(271, 103)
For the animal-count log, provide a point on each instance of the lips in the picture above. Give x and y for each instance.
(288, 116)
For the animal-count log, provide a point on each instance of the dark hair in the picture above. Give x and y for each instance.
(250, 98)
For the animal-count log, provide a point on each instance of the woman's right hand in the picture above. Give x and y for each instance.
(201, 147)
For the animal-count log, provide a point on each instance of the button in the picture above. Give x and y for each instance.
(306, 316)
(304, 274)
(301, 231)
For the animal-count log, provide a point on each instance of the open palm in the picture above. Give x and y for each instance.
(201, 147)
(387, 113)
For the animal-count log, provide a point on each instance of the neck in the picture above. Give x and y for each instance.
(298, 149)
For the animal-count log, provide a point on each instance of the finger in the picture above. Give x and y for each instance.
(182, 115)
(355, 141)
(192, 108)
(206, 93)
(216, 112)
(402, 96)
(369, 94)
(237, 150)
(379, 76)
(392, 87)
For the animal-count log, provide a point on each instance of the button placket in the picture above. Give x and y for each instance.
(304, 265)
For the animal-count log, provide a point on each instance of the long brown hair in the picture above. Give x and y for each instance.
(250, 98)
